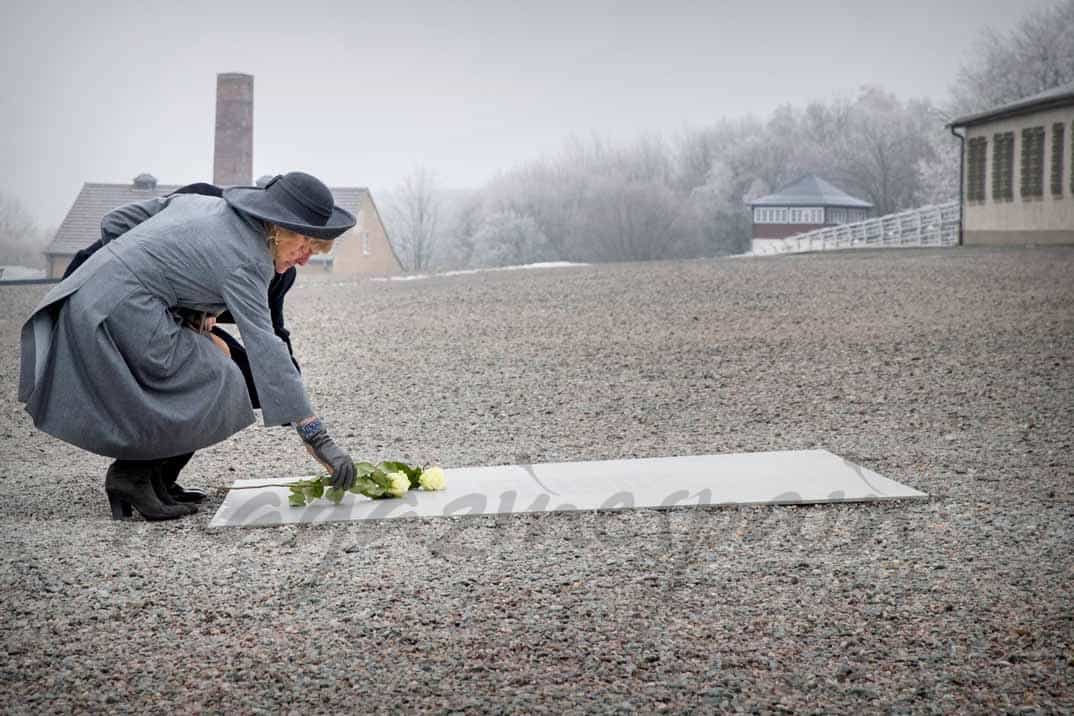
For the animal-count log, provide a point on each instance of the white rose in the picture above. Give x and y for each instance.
(400, 483)
(432, 478)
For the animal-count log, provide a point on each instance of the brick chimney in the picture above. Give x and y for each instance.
(233, 157)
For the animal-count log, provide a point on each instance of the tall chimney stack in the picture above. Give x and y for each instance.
(233, 157)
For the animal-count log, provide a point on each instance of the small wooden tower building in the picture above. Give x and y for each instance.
(803, 205)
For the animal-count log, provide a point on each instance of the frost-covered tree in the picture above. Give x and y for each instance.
(882, 147)
(939, 173)
(508, 238)
(716, 212)
(413, 214)
(633, 220)
(462, 218)
(652, 199)
(596, 201)
(1036, 55)
(21, 242)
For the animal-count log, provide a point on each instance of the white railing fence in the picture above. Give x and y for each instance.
(926, 226)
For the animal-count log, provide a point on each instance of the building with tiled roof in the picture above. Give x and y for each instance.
(803, 205)
(82, 225)
(1018, 171)
(363, 249)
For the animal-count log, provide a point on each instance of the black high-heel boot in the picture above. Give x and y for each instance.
(156, 479)
(128, 484)
(169, 472)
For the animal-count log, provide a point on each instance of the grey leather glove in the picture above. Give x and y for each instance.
(325, 450)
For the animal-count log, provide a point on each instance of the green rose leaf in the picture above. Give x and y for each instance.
(412, 472)
(368, 487)
(296, 499)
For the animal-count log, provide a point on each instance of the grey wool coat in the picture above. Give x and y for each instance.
(106, 366)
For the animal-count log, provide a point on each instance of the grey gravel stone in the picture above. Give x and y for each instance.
(951, 371)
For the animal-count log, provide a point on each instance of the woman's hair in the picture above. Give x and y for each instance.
(278, 235)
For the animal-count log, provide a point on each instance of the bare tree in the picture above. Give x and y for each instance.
(413, 212)
(696, 150)
(882, 148)
(1037, 55)
(939, 173)
(631, 220)
(21, 242)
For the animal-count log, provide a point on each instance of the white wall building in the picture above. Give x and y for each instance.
(1017, 178)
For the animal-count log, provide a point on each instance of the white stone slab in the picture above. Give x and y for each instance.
(779, 478)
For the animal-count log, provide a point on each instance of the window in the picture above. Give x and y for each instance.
(1057, 158)
(1003, 166)
(975, 169)
(1033, 162)
(765, 215)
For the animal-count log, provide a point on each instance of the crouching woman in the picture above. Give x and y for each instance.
(109, 362)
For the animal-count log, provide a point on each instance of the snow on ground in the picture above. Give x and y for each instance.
(20, 273)
(465, 272)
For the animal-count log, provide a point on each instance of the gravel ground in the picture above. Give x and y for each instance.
(949, 370)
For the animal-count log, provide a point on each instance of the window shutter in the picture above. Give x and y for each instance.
(1058, 152)
(1032, 162)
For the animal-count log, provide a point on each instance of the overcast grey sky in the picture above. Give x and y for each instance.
(360, 93)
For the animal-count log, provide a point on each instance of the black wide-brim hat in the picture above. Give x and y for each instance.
(296, 201)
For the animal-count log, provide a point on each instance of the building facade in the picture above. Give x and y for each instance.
(803, 205)
(363, 249)
(1018, 171)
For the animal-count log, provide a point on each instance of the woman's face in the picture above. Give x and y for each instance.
(292, 249)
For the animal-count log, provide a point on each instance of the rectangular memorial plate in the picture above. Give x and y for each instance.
(779, 478)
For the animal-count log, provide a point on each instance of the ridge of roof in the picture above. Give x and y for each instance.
(1059, 95)
(811, 190)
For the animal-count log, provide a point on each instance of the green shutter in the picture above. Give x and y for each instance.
(1058, 152)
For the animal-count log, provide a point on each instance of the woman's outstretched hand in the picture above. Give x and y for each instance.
(327, 453)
